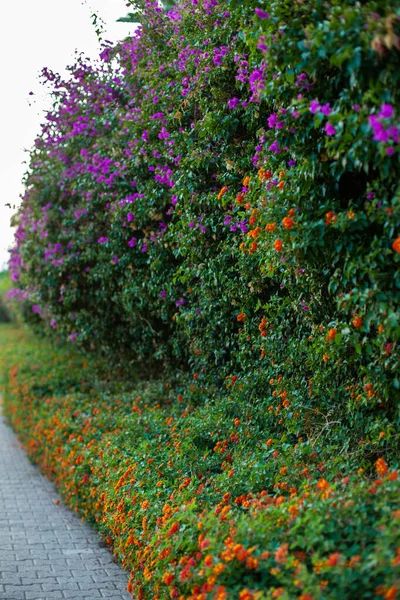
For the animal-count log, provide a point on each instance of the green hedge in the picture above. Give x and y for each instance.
(5, 303)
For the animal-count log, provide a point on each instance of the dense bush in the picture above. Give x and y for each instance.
(197, 502)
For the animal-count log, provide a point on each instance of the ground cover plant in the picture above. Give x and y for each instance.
(215, 205)
(196, 501)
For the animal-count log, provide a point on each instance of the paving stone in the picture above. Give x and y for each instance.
(46, 551)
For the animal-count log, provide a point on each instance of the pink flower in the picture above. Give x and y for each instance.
(315, 106)
(326, 109)
(261, 14)
(233, 102)
(330, 129)
(386, 111)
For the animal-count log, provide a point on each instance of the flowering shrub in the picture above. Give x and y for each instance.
(219, 197)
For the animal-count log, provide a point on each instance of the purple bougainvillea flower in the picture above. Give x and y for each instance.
(130, 217)
(386, 111)
(233, 102)
(53, 323)
(272, 120)
(326, 109)
(315, 106)
(261, 14)
(163, 294)
(73, 337)
(274, 147)
(390, 151)
(102, 240)
(36, 309)
(330, 129)
(132, 242)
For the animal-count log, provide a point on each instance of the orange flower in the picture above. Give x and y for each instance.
(357, 322)
(241, 317)
(251, 562)
(270, 227)
(167, 578)
(209, 560)
(323, 485)
(263, 174)
(278, 245)
(221, 593)
(173, 529)
(269, 442)
(305, 597)
(291, 212)
(253, 247)
(288, 223)
(222, 192)
(246, 181)
(240, 198)
(391, 593)
(396, 244)
(381, 467)
(281, 554)
(281, 185)
(396, 560)
(331, 334)
(277, 593)
(281, 174)
(330, 217)
(254, 233)
(333, 559)
(325, 357)
(246, 595)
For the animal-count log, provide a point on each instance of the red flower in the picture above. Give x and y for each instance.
(288, 223)
(330, 217)
(396, 244)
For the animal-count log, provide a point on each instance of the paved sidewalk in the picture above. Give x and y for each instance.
(46, 552)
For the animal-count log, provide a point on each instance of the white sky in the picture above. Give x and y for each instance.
(35, 34)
